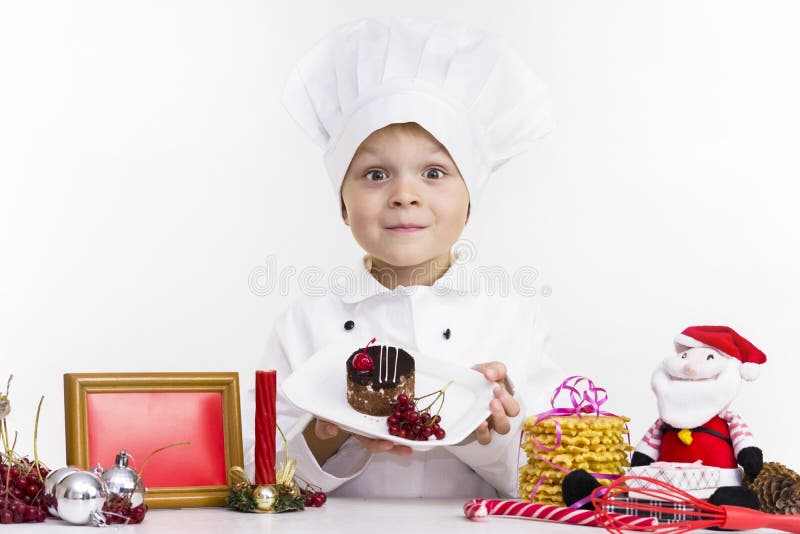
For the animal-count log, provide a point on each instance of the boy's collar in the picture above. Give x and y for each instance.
(365, 285)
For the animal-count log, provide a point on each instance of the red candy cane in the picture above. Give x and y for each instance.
(480, 508)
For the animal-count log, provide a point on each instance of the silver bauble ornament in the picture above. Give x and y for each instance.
(50, 481)
(123, 482)
(80, 497)
(264, 497)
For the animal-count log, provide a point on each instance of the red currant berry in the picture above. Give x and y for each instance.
(402, 398)
(392, 420)
(402, 433)
(32, 489)
(6, 517)
(30, 514)
(439, 433)
(412, 416)
(14, 472)
(319, 500)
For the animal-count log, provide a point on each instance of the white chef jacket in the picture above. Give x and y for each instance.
(482, 327)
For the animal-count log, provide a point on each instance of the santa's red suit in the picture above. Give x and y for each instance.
(716, 443)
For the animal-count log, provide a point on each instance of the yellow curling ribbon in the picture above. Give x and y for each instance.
(685, 435)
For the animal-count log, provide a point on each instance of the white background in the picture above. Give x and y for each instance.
(147, 167)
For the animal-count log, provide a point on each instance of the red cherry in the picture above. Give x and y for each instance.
(362, 362)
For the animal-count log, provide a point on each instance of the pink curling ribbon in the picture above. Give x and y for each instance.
(585, 399)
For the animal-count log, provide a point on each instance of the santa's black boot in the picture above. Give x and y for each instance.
(578, 485)
(735, 496)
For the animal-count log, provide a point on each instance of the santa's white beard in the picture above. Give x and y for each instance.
(690, 403)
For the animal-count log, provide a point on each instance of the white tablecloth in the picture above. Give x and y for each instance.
(353, 516)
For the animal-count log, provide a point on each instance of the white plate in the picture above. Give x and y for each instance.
(319, 386)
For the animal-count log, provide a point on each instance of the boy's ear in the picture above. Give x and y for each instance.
(344, 211)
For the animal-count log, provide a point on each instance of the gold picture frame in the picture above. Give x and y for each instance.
(91, 403)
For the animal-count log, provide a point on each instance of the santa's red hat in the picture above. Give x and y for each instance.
(728, 342)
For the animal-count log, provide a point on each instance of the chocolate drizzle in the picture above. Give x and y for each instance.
(390, 364)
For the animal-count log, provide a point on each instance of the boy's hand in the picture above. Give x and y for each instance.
(382, 445)
(325, 430)
(503, 406)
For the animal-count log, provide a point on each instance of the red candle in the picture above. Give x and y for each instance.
(265, 427)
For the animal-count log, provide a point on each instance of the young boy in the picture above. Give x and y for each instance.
(414, 114)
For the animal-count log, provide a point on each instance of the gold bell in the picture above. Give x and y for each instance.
(264, 497)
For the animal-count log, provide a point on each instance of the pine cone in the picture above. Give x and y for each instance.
(788, 501)
(777, 488)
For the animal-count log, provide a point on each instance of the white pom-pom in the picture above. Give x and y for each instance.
(749, 371)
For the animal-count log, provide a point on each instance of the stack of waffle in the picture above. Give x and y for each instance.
(596, 444)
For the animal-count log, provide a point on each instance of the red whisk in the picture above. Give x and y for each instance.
(698, 513)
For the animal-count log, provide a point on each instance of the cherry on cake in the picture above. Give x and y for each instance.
(376, 375)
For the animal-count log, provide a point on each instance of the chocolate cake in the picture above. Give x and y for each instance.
(375, 380)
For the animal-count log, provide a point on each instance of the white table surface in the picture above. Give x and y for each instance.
(349, 515)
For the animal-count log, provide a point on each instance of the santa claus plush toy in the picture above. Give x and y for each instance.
(695, 388)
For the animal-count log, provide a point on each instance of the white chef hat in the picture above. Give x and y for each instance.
(469, 89)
